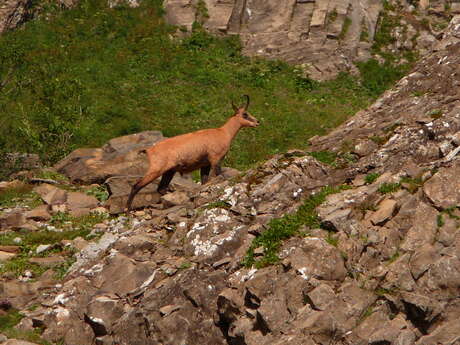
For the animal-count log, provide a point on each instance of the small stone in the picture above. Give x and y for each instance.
(168, 309)
(3, 338)
(42, 248)
(222, 262)
(385, 211)
(99, 210)
(51, 194)
(39, 213)
(321, 296)
(17, 240)
(174, 199)
(79, 243)
(48, 261)
(58, 208)
(259, 251)
(4, 256)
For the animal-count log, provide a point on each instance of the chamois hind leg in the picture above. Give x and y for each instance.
(165, 180)
(148, 178)
(204, 174)
(216, 170)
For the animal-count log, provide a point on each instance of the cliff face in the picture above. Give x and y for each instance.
(376, 263)
(324, 36)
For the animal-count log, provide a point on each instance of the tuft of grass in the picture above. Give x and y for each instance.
(371, 177)
(326, 157)
(435, 114)
(332, 240)
(100, 192)
(412, 184)
(286, 227)
(394, 257)
(387, 188)
(217, 204)
(440, 221)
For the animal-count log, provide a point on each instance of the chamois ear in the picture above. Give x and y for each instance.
(247, 102)
(235, 108)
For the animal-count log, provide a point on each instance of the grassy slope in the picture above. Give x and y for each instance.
(93, 73)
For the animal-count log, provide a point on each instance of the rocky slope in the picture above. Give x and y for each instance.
(324, 36)
(377, 263)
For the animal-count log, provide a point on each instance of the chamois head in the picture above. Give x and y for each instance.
(241, 113)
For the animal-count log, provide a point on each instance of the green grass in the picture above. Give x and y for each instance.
(326, 157)
(388, 188)
(281, 229)
(371, 177)
(93, 73)
(21, 195)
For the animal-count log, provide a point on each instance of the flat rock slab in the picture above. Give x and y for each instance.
(443, 189)
(17, 342)
(4, 256)
(50, 261)
(39, 213)
(10, 249)
(385, 211)
(51, 194)
(120, 156)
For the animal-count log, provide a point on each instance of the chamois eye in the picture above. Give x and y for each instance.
(246, 116)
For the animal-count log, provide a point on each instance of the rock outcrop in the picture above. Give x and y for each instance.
(380, 265)
(323, 36)
(120, 156)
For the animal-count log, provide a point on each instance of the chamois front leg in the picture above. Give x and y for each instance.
(165, 180)
(216, 170)
(204, 174)
(148, 178)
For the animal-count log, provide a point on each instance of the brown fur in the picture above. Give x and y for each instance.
(188, 152)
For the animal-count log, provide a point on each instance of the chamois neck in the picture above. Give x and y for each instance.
(231, 127)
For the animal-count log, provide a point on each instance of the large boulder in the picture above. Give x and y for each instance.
(120, 156)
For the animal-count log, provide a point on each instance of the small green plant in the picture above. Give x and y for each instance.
(364, 36)
(286, 227)
(217, 204)
(418, 93)
(332, 16)
(185, 265)
(412, 184)
(99, 192)
(52, 175)
(394, 257)
(435, 114)
(371, 177)
(379, 140)
(346, 26)
(440, 221)
(326, 157)
(387, 188)
(332, 239)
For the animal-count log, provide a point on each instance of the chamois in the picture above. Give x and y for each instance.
(203, 149)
